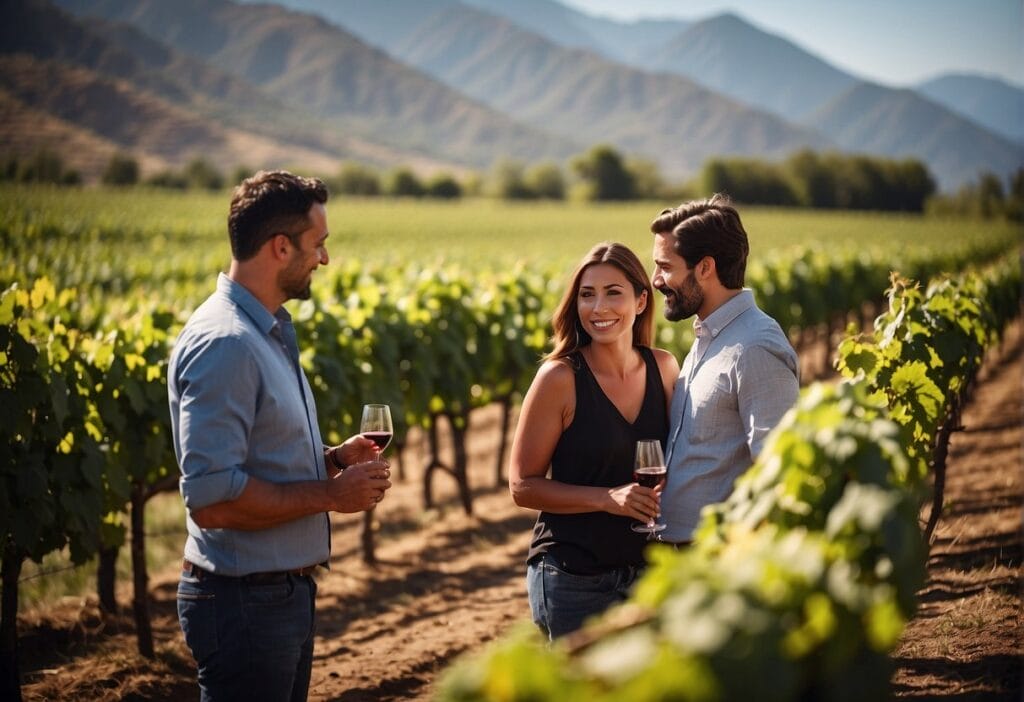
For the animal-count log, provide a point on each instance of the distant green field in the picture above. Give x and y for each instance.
(190, 229)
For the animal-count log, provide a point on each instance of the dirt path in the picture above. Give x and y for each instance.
(446, 587)
(967, 640)
(447, 583)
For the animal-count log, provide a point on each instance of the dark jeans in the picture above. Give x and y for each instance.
(252, 637)
(560, 602)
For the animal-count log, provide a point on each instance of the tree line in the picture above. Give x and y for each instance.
(828, 180)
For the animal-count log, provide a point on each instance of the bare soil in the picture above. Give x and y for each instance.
(967, 640)
(446, 583)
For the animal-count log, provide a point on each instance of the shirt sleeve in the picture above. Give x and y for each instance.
(768, 388)
(217, 384)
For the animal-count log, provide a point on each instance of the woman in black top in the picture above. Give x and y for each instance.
(598, 392)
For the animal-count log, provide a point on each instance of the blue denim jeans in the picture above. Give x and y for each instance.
(252, 637)
(560, 602)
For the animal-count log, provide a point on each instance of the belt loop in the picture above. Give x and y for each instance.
(192, 569)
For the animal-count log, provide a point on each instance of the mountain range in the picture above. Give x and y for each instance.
(459, 84)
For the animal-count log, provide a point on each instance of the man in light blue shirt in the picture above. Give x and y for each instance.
(256, 478)
(739, 377)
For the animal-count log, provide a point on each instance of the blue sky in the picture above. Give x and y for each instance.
(894, 42)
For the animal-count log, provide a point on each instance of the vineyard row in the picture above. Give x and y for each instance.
(83, 406)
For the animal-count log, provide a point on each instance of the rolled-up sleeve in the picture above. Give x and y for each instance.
(216, 385)
(768, 388)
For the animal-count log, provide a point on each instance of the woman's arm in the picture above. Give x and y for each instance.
(668, 366)
(547, 411)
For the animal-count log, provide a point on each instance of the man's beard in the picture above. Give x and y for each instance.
(294, 281)
(684, 301)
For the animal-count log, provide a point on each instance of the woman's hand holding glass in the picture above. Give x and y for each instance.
(649, 472)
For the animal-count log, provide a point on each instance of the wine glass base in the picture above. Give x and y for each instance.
(647, 528)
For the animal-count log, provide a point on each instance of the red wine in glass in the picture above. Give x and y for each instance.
(381, 438)
(376, 425)
(649, 471)
(650, 476)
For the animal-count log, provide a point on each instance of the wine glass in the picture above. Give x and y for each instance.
(376, 425)
(649, 470)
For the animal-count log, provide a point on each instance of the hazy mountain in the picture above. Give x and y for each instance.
(380, 23)
(991, 102)
(581, 94)
(623, 41)
(386, 22)
(106, 115)
(453, 84)
(320, 69)
(104, 87)
(873, 119)
(729, 55)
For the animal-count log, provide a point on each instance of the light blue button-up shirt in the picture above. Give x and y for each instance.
(241, 406)
(740, 376)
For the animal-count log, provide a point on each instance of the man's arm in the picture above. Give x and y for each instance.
(264, 504)
(214, 397)
(768, 388)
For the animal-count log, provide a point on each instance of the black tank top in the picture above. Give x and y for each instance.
(597, 449)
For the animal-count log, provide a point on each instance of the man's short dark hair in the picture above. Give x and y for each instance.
(712, 228)
(270, 203)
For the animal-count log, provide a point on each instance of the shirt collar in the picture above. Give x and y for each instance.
(260, 315)
(718, 320)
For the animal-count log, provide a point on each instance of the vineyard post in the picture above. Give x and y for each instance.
(835, 326)
(369, 550)
(459, 470)
(506, 419)
(460, 429)
(951, 424)
(106, 577)
(434, 461)
(140, 603)
(10, 571)
(400, 445)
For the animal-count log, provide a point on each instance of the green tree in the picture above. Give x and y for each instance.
(545, 181)
(605, 174)
(404, 183)
(44, 166)
(444, 186)
(167, 179)
(1015, 197)
(121, 169)
(910, 185)
(990, 201)
(9, 168)
(647, 181)
(509, 181)
(240, 173)
(812, 182)
(357, 179)
(749, 180)
(200, 174)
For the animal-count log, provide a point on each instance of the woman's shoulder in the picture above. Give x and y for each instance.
(668, 364)
(557, 371)
(554, 385)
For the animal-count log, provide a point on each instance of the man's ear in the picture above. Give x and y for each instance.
(706, 268)
(280, 246)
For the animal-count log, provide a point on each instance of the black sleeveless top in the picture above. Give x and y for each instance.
(597, 449)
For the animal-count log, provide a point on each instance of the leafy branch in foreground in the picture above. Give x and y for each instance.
(804, 582)
(808, 572)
